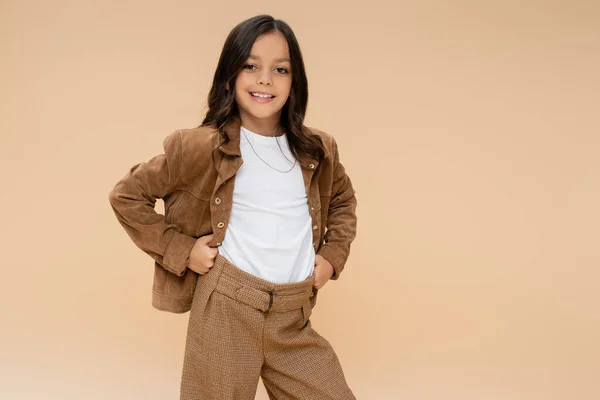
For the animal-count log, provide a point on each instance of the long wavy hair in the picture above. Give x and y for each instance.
(222, 106)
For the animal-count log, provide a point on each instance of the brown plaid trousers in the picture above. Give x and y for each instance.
(242, 327)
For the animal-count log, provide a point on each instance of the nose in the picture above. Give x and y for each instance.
(264, 79)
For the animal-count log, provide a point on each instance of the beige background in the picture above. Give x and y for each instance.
(470, 131)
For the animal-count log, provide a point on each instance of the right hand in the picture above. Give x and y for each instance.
(202, 256)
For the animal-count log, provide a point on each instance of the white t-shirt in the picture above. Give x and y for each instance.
(269, 233)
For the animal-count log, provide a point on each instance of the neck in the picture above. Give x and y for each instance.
(264, 127)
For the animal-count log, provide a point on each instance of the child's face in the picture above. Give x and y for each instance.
(266, 70)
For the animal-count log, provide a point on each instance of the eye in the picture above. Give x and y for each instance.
(285, 71)
(249, 65)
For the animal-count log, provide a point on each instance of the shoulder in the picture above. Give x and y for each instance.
(190, 143)
(193, 139)
(327, 138)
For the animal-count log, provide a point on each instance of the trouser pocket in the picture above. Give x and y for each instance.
(306, 312)
(205, 287)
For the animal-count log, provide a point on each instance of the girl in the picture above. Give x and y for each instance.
(247, 259)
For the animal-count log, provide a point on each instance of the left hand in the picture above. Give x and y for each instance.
(323, 271)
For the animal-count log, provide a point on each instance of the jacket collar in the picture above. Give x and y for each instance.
(232, 147)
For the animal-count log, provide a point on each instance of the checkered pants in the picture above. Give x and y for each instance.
(242, 327)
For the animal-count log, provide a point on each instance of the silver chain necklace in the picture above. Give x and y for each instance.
(280, 149)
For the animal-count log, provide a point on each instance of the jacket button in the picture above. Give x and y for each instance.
(220, 225)
(312, 209)
(217, 200)
(315, 227)
(312, 166)
(218, 243)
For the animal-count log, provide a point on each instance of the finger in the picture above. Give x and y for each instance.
(207, 238)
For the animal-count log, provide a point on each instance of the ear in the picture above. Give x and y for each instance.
(227, 86)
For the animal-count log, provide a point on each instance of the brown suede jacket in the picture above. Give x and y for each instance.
(197, 189)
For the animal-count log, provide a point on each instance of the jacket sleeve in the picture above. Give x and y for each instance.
(341, 219)
(133, 199)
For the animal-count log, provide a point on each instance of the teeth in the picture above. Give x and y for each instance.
(264, 96)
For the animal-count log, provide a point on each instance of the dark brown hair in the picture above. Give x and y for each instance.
(221, 103)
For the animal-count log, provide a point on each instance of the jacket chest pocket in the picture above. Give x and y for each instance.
(189, 213)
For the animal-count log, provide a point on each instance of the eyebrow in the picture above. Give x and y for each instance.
(276, 60)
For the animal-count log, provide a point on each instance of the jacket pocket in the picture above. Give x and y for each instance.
(171, 204)
(190, 213)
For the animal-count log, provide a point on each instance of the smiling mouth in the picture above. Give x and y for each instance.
(261, 100)
(261, 95)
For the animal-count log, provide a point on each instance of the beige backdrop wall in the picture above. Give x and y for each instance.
(470, 130)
